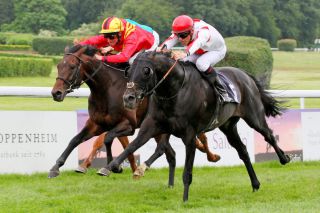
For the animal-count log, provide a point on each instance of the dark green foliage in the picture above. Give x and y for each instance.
(90, 11)
(287, 44)
(6, 11)
(250, 54)
(33, 15)
(51, 46)
(14, 66)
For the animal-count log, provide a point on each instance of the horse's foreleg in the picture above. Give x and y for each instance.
(202, 145)
(125, 142)
(139, 172)
(231, 132)
(147, 131)
(85, 134)
(98, 143)
(189, 141)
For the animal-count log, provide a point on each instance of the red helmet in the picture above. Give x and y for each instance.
(181, 24)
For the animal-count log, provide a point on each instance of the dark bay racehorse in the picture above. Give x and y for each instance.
(106, 111)
(182, 104)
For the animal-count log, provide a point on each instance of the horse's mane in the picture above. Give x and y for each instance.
(90, 50)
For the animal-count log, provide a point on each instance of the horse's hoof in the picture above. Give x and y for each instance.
(136, 177)
(81, 169)
(139, 172)
(104, 172)
(214, 158)
(53, 173)
(117, 170)
(286, 160)
(255, 190)
(170, 186)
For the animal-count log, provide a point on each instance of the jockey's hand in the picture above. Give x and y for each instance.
(105, 50)
(98, 57)
(177, 55)
(162, 49)
(76, 41)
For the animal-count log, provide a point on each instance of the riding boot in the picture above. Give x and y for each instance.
(211, 76)
(222, 92)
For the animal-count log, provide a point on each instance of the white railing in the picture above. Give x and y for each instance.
(84, 92)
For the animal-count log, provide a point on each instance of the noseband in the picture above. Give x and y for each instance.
(75, 76)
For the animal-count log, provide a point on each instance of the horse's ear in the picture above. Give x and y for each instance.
(66, 49)
(153, 54)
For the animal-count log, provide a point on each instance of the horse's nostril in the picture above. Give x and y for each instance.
(131, 98)
(58, 93)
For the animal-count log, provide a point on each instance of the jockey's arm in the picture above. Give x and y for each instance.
(170, 42)
(201, 39)
(130, 48)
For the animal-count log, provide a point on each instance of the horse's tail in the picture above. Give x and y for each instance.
(272, 106)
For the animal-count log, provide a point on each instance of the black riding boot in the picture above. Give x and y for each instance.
(211, 76)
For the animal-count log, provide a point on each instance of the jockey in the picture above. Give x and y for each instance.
(123, 37)
(204, 47)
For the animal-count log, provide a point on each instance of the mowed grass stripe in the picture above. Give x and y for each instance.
(291, 188)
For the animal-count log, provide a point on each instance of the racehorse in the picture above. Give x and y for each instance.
(106, 111)
(182, 103)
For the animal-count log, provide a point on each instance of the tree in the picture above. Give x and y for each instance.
(85, 11)
(309, 25)
(33, 15)
(264, 11)
(6, 11)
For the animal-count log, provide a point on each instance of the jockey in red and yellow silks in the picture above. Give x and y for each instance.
(125, 37)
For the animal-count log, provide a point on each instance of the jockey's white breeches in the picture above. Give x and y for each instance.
(204, 61)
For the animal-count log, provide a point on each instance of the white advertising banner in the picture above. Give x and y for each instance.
(311, 135)
(217, 142)
(31, 141)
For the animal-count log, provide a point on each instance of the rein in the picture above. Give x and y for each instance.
(162, 79)
(72, 84)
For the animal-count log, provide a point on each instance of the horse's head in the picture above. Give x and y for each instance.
(143, 77)
(71, 70)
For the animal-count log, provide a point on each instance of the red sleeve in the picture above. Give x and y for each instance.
(96, 41)
(130, 47)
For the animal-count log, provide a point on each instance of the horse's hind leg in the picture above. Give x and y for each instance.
(258, 122)
(202, 145)
(231, 132)
(124, 142)
(98, 143)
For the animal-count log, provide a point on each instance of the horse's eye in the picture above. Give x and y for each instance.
(72, 66)
(147, 71)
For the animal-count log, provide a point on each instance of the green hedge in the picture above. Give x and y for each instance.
(16, 38)
(10, 66)
(6, 47)
(251, 54)
(287, 45)
(51, 46)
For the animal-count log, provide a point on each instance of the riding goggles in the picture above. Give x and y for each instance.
(183, 35)
(111, 36)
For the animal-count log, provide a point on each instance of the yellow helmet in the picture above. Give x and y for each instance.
(112, 25)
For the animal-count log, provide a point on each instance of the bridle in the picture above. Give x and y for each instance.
(73, 83)
(130, 85)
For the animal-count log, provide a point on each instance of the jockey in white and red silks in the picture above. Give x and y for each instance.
(205, 46)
